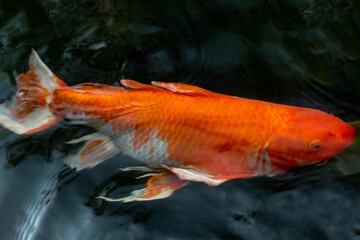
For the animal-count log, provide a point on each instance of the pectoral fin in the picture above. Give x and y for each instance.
(198, 176)
(97, 149)
(159, 186)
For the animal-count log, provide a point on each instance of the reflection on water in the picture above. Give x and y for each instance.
(298, 52)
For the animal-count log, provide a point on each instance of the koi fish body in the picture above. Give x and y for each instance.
(185, 132)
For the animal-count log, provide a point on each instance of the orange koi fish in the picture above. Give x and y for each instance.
(184, 132)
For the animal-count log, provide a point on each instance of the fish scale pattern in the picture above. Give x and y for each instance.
(153, 152)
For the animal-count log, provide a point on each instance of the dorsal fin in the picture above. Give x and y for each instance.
(136, 85)
(183, 88)
(96, 88)
(173, 87)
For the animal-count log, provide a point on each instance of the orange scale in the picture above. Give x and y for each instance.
(143, 140)
(151, 150)
(161, 135)
(142, 135)
(136, 144)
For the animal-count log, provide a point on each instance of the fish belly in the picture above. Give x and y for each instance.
(152, 151)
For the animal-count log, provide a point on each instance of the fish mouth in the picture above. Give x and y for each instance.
(322, 162)
(316, 162)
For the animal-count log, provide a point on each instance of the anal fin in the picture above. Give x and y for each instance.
(97, 149)
(159, 186)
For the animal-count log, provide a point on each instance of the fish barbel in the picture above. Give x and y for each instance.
(184, 132)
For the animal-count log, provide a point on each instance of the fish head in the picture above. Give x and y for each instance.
(311, 137)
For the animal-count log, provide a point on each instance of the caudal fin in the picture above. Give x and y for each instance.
(160, 185)
(28, 111)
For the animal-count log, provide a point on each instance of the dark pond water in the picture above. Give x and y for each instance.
(297, 52)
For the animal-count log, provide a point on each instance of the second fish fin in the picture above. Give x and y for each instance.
(183, 88)
(97, 149)
(198, 176)
(159, 186)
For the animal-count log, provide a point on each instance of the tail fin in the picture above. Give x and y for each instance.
(28, 111)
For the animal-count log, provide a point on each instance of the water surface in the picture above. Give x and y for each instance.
(296, 52)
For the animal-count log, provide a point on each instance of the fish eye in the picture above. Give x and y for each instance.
(315, 144)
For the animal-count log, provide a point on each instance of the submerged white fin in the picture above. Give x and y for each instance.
(148, 175)
(137, 195)
(140, 168)
(97, 149)
(86, 138)
(193, 175)
(159, 186)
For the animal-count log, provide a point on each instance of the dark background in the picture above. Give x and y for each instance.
(297, 52)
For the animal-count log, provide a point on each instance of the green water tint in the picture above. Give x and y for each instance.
(348, 161)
